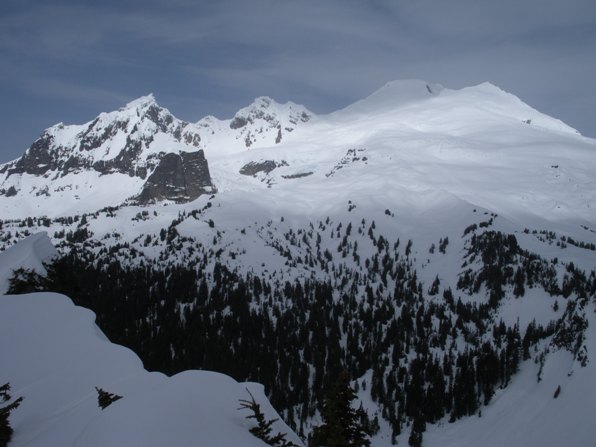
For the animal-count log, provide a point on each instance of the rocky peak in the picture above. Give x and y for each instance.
(123, 141)
(266, 120)
(140, 103)
(147, 108)
(266, 109)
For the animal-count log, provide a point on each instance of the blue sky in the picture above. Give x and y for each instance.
(70, 60)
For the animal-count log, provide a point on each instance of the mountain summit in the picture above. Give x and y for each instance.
(395, 94)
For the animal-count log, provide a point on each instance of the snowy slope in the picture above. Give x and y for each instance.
(528, 414)
(55, 356)
(407, 147)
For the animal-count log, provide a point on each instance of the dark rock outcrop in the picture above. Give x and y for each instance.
(178, 177)
(297, 175)
(238, 122)
(92, 139)
(265, 166)
(12, 191)
(37, 160)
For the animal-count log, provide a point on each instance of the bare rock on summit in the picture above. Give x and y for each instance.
(178, 177)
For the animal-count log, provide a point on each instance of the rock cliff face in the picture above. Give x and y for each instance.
(37, 160)
(178, 177)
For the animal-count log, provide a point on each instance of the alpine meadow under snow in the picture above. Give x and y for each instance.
(437, 245)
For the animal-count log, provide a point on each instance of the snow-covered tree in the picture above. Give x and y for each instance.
(5, 428)
(105, 399)
(263, 429)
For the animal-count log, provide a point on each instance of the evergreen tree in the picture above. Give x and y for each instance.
(342, 426)
(418, 427)
(5, 428)
(105, 399)
(263, 428)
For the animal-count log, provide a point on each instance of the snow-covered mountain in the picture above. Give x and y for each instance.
(422, 233)
(264, 123)
(138, 152)
(479, 144)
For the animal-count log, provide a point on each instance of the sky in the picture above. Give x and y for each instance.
(67, 61)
